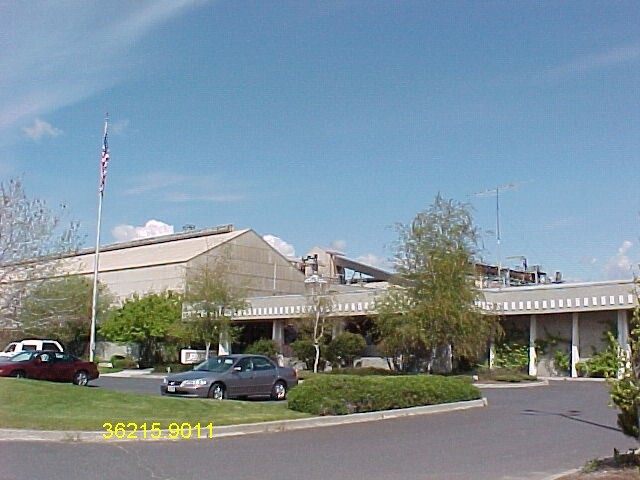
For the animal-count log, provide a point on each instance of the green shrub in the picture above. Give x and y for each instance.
(562, 361)
(123, 362)
(343, 349)
(305, 351)
(603, 364)
(344, 394)
(504, 375)
(263, 346)
(512, 356)
(363, 371)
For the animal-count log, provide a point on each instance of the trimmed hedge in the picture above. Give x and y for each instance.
(363, 371)
(344, 394)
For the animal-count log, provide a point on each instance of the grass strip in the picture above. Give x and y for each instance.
(33, 404)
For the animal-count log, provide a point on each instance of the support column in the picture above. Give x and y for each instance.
(623, 336)
(277, 333)
(338, 327)
(224, 346)
(492, 353)
(575, 343)
(533, 357)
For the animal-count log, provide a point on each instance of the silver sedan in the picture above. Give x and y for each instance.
(232, 376)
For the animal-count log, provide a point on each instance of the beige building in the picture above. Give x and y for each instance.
(575, 315)
(158, 264)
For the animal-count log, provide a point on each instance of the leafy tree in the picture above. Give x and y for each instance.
(264, 346)
(61, 308)
(32, 237)
(148, 321)
(625, 390)
(432, 304)
(305, 350)
(213, 300)
(315, 326)
(343, 349)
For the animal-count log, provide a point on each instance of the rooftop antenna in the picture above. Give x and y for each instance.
(496, 192)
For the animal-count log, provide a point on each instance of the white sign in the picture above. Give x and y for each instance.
(192, 356)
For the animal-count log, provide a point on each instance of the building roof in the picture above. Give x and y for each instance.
(163, 250)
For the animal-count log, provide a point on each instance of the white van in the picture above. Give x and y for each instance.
(29, 345)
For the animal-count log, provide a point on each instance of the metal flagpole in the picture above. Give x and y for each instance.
(96, 261)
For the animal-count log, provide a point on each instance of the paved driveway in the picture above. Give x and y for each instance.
(523, 434)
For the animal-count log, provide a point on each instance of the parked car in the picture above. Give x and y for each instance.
(30, 345)
(232, 376)
(48, 365)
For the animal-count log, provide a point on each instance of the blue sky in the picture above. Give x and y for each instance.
(325, 123)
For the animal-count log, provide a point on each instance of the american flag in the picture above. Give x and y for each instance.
(104, 160)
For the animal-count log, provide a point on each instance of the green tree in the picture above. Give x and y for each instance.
(148, 321)
(316, 325)
(344, 348)
(213, 299)
(61, 308)
(625, 390)
(431, 307)
(264, 346)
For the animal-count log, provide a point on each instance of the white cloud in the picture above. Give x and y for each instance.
(588, 260)
(375, 261)
(153, 228)
(620, 266)
(41, 129)
(283, 247)
(181, 197)
(45, 68)
(586, 63)
(339, 245)
(119, 126)
(179, 188)
(154, 181)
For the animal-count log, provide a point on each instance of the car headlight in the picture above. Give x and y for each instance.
(198, 382)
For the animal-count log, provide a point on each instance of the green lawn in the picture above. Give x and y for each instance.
(34, 404)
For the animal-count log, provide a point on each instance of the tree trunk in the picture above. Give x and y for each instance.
(317, 359)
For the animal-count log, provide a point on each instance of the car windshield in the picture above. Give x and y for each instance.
(22, 357)
(215, 364)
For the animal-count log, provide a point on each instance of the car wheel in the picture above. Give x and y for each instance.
(217, 391)
(81, 378)
(279, 391)
(18, 374)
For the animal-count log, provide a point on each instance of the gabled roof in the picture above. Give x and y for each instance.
(164, 250)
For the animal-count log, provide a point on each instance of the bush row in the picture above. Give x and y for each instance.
(344, 394)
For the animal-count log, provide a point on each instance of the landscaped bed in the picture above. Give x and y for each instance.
(344, 394)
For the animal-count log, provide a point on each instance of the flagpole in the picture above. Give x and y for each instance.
(96, 258)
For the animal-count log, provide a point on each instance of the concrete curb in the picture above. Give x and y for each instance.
(147, 373)
(560, 475)
(245, 429)
(541, 383)
(577, 379)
